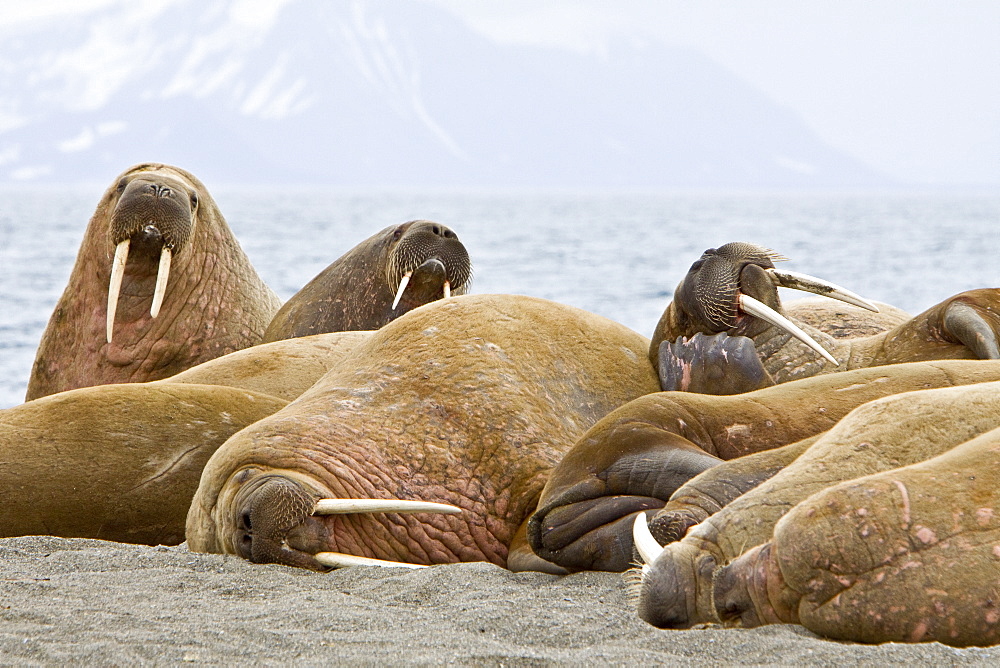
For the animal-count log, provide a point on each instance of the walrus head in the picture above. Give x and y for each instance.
(153, 220)
(426, 261)
(287, 518)
(734, 289)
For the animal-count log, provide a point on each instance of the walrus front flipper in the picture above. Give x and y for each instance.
(966, 323)
(711, 364)
(707, 493)
(586, 521)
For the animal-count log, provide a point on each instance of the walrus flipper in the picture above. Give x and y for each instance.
(967, 324)
(588, 525)
(708, 492)
(711, 364)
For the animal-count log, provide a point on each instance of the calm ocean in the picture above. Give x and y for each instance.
(618, 255)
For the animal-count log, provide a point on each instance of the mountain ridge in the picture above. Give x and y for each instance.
(382, 94)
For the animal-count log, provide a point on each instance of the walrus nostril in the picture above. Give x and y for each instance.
(245, 523)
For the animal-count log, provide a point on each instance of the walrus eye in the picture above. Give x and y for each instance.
(194, 200)
(121, 185)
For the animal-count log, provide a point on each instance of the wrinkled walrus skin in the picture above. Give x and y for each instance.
(706, 301)
(907, 555)
(215, 303)
(636, 457)
(117, 462)
(682, 587)
(357, 290)
(470, 401)
(283, 369)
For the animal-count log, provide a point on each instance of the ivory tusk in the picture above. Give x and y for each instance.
(347, 506)
(644, 542)
(115, 286)
(765, 312)
(340, 560)
(161, 281)
(402, 286)
(806, 283)
(447, 289)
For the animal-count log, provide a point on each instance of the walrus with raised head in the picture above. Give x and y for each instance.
(733, 290)
(468, 401)
(392, 272)
(634, 459)
(682, 586)
(160, 284)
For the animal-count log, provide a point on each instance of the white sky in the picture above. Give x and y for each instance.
(910, 87)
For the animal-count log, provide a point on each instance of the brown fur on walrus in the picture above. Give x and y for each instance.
(880, 435)
(118, 462)
(907, 555)
(706, 301)
(215, 303)
(283, 369)
(636, 457)
(469, 401)
(357, 290)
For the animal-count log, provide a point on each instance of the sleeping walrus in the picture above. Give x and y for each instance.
(634, 459)
(468, 401)
(160, 285)
(880, 435)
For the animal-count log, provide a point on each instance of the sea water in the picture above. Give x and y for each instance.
(619, 255)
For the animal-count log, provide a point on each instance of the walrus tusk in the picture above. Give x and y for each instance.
(806, 283)
(161, 282)
(341, 560)
(402, 286)
(765, 312)
(447, 289)
(115, 286)
(644, 542)
(346, 506)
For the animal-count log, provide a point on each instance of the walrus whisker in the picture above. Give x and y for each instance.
(402, 286)
(645, 544)
(797, 281)
(341, 560)
(765, 312)
(447, 289)
(161, 281)
(115, 286)
(347, 506)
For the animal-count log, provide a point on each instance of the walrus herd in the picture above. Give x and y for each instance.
(834, 464)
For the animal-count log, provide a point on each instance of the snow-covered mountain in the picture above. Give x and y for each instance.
(382, 93)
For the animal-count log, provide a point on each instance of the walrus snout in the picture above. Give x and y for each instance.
(417, 243)
(673, 590)
(267, 509)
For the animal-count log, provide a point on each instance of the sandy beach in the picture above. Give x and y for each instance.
(77, 601)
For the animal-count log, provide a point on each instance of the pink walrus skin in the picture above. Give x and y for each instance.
(906, 555)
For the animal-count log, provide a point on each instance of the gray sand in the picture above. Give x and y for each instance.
(87, 601)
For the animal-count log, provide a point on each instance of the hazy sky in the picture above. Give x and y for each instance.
(910, 87)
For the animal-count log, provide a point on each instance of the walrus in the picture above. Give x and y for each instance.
(283, 369)
(637, 456)
(468, 401)
(733, 289)
(682, 584)
(384, 276)
(160, 284)
(906, 555)
(118, 462)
